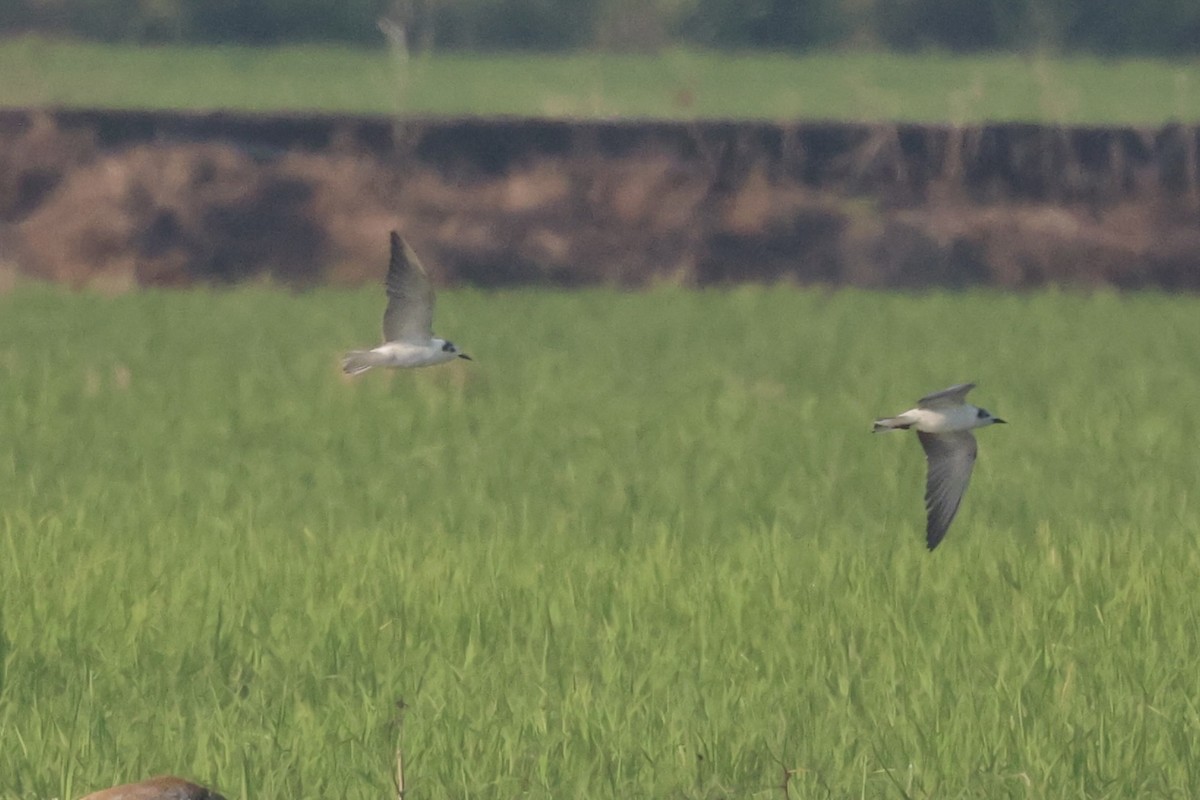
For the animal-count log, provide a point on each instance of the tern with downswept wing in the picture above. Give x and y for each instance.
(943, 422)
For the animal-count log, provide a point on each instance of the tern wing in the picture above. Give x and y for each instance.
(409, 314)
(954, 396)
(950, 457)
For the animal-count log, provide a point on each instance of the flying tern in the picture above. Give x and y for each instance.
(943, 421)
(408, 339)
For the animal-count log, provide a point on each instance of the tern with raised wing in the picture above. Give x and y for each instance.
(943, 421)
(408, 339)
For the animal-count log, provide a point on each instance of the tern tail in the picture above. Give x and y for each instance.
(891, 424)
(357, 361)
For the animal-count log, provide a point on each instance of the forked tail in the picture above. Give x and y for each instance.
(357, 361)
(891, 424)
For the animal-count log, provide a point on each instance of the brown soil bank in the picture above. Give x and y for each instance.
(126, 198)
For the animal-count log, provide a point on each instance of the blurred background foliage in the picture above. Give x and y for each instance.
(1109, 27)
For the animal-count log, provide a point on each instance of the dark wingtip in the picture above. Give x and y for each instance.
(933, 538)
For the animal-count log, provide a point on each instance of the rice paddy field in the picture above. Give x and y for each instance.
(681, 84)
(643, 546)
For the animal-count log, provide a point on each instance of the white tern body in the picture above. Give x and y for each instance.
(399, 354)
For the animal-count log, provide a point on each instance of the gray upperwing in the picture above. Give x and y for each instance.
(950, 458)
(409, 314)
(954, 396)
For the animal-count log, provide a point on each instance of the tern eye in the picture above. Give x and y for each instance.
(448, 347)
(982, 414)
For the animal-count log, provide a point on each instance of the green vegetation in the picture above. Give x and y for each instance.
(643, 546)
(678, 84)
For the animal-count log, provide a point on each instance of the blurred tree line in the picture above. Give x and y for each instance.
(1111, 27)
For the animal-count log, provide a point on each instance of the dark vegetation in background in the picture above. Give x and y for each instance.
(116, 200)
(1109, 27)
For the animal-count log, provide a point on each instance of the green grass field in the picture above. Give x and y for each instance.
(642, 546)
(676, 84)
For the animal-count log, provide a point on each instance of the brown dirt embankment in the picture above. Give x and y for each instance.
(121, 199)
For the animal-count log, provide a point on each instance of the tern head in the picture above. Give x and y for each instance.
(448, 347)
(984, 417)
